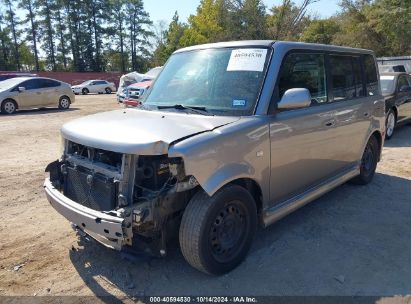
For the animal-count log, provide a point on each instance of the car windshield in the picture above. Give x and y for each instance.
(387, 84)
(85, 82)
(9, 83)
(224, 81)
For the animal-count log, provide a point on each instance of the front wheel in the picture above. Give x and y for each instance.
(108, 91)
(64, 103)
(8, 106)
(390, 124)
(369, 162)
(216, 232)
(85, 91)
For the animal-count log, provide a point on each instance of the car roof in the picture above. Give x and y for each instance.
(271, 43)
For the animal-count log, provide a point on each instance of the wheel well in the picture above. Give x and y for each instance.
(17, 105)
(378, 137)
(395, 111)
(254, 189)
(66, 97)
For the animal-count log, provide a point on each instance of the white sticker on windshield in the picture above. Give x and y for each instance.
(247, 60)
(386, 77)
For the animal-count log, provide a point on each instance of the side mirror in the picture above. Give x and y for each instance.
(21, 89)
(295, 99)
(405, 88)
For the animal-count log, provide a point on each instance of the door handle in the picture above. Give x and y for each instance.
(366, 114)
(330, 123)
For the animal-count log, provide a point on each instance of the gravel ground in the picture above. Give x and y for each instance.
(353, 241)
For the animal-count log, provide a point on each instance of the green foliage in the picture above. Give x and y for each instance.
(321, 31)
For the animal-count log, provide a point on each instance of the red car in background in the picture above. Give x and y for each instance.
(135, 91)
(4, 76)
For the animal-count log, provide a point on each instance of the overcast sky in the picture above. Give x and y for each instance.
(164, 9)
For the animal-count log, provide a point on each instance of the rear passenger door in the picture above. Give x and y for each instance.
(304, 142)
(50, 92)
(353, 102)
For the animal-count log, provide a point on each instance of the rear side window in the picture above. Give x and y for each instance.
(302, 70)
(48, 83)
(370, 75)
(346, 77)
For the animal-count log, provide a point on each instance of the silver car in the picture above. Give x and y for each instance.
(230, 136)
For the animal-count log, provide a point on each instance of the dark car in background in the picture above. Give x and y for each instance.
(396, 88)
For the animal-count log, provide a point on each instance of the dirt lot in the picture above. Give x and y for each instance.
(353, 241)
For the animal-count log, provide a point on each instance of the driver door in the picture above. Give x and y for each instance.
(32, 96)
(302, 140)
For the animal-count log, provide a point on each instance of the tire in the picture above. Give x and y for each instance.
(390, 123)
(8, 106)
(108, 91)
(369, 162)
(64, 102)
(85, 91)
(216, 232)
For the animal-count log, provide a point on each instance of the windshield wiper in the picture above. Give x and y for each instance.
(197, 109)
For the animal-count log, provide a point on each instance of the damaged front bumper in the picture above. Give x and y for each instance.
(104, 228)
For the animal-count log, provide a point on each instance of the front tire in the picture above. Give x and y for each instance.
(369, 162)
(64, 102)
(216, 232)
(9, 106)
(390, 124)
(108, 91)
(85, 91)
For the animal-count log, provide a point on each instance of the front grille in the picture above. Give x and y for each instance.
(94, 191)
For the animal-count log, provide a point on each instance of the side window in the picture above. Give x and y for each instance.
(31, 84)
(303, 70)
(402, 82)
(370, 75)
(345, 77)
(48, 83)
(359, 85)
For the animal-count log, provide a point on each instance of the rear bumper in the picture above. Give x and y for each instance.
(104, 228)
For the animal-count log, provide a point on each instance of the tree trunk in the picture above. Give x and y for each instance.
(62, 40)
(13, 29)
(50, 36)
(34, 36)
(96, 40)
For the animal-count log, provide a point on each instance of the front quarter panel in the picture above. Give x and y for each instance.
(237, 150)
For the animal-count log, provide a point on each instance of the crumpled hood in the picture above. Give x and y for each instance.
(135, 131)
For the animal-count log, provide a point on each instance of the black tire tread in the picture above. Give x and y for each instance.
(190, 231)
(359, 179)
(195, 218)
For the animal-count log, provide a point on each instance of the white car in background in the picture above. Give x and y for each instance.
(94, 86)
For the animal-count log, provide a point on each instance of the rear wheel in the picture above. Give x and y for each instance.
(369, 162)
(85, 91)
(108, 91)
(216, 232)
(64, 102)
(9, 106)
(390, 124)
